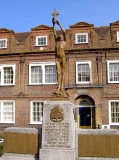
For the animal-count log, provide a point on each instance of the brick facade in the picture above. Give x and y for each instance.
(21, 50)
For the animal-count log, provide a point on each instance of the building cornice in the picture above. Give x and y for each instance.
(66, 51)
(82, 87)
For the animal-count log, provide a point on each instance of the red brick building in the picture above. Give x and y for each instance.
(28, 74)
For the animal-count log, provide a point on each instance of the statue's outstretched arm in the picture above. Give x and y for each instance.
(63, 30)
(54, 29)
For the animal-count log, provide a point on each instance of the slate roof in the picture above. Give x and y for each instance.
(101, 31)
(59, 32)
(21, 36)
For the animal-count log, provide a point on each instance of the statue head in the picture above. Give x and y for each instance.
(60, 38)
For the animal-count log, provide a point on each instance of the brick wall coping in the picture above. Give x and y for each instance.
(21, 130)
(98, 131)
(96, 158)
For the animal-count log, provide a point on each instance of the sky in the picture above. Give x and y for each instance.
(22, 15)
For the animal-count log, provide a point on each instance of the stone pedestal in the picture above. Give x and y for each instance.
(58, 131)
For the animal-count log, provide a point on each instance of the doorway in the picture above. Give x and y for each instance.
(86, 115)
(85, 120)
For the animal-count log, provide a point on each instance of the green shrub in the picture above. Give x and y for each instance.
(1, 150)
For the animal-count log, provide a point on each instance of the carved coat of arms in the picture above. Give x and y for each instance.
(57, 114)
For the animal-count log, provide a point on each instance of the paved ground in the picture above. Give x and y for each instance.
(31, 158)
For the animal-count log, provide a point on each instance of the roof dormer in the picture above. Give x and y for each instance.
(114, 30)
(81, 34)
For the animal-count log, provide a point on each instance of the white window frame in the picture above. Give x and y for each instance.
(31, 110)
(1, 111)
(37, 37)
(2, 66)
(83, 62)
(117, 36)
(110, 121)
(5, 39)
(80, 34)
(108, 62)
(42, 64)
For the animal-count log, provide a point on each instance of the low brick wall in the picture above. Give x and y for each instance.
(97, 143)
(21, 141)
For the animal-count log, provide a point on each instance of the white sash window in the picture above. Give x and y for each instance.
(114, 112)
(81, 38)
(3, 43)
(42, 73)
(113, 71)
(36, 112)
(7, 111)
(7, 74)
(83, 72)
(41, 40)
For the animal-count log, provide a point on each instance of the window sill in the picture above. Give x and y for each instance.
(7, 122)
(36, 123)
(81, 43)
(83, 87)
(5, 85)
(115, 124)
(41, 45)
(113, 82)
(83, 83)
(43, 84)
(3, 48)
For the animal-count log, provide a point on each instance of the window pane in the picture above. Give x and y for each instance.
(83, 72)
(0, 75)
(3, 44)
(115, 112)
(42, 41)
(37, 112)
(8, 112)
(81, 38)
(50, 74)
(8, 75)
(43, 74)
(114, 71)
(36, 74)
(117, 36)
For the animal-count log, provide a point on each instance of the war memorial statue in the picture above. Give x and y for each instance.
(60, 43)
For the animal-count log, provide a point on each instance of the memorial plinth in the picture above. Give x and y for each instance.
(58, 131)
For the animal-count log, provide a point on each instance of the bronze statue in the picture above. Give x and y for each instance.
(60, 43)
